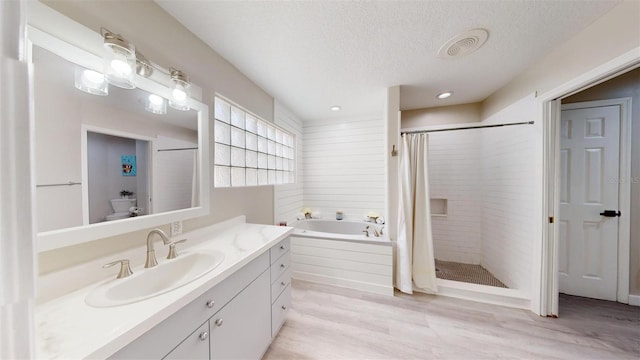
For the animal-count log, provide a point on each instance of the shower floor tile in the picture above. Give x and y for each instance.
(475, 274)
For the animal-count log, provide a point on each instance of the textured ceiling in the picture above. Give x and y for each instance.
(314, 54)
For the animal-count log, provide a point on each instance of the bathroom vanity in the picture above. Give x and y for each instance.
(232, 312)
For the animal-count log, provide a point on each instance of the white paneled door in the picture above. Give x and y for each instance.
(589, 155)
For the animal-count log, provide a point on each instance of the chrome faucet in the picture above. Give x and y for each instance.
(375, 231)
(151, 253)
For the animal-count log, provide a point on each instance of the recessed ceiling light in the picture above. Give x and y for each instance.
(335, 108)
(444, 95)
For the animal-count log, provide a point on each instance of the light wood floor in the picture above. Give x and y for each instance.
(328, 322)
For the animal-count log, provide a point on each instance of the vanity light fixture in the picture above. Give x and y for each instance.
(122, 62)
(444, 95)
(335, 108)
(181, 90)
(119, 60)
(91, 82)
(156, 105)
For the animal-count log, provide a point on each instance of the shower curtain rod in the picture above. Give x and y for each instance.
(178, 149)
(467, 127)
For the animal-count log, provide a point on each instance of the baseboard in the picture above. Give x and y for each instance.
(634, 300)
(346, 283)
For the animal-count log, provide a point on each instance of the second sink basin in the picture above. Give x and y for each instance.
(163, 278)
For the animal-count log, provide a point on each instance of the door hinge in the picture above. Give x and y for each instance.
(551, 220)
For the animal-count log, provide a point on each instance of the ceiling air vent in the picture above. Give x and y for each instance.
(463, 44)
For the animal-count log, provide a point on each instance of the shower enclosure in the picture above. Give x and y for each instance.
(481, 223)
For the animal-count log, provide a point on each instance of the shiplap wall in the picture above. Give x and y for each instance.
(508, 212)
(288, 198)
(455, 175)
(344, 167)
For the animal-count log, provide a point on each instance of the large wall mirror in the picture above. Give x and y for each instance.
(109, 163)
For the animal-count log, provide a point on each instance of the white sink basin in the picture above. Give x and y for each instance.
(147, 283)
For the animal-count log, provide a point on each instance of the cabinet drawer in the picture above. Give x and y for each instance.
(214, 299)
(280, 284)
(196, 346)
(280, 266)
(279, 310)
(279, 249)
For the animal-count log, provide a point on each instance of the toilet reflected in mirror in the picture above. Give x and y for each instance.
(121, 209)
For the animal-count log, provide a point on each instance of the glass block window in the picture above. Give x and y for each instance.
(250, 151)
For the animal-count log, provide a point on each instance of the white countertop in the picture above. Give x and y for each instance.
(68, 328)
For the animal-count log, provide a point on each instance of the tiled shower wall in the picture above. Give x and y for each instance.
(344, 166)
(455, 175)
(288, 197)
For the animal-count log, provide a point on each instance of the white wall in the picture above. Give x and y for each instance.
(344, 167)
(441, 115)
(288, 199)
(392, 123)
(455, 160)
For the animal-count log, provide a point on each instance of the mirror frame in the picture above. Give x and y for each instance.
(83, 52)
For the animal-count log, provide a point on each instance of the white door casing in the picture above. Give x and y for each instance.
(545, 277)
(588, 241)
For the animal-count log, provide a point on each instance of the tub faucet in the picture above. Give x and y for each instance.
(151, 253)
(375, 231)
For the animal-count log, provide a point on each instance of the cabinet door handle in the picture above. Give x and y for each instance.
(281, 247)
(210, 304)
(282, 265)
(284, 307)
(219, 322)
(203, 336)
(283, 283)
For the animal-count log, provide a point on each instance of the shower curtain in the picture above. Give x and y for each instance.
(195, 189)
(415, 265)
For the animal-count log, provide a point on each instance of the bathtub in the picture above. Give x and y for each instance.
(343, 230)
(339, 253)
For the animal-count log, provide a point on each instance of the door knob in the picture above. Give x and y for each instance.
(611, 213)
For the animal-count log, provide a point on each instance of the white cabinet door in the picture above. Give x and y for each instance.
(589, 152)
(194, 347)
(242, 329)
